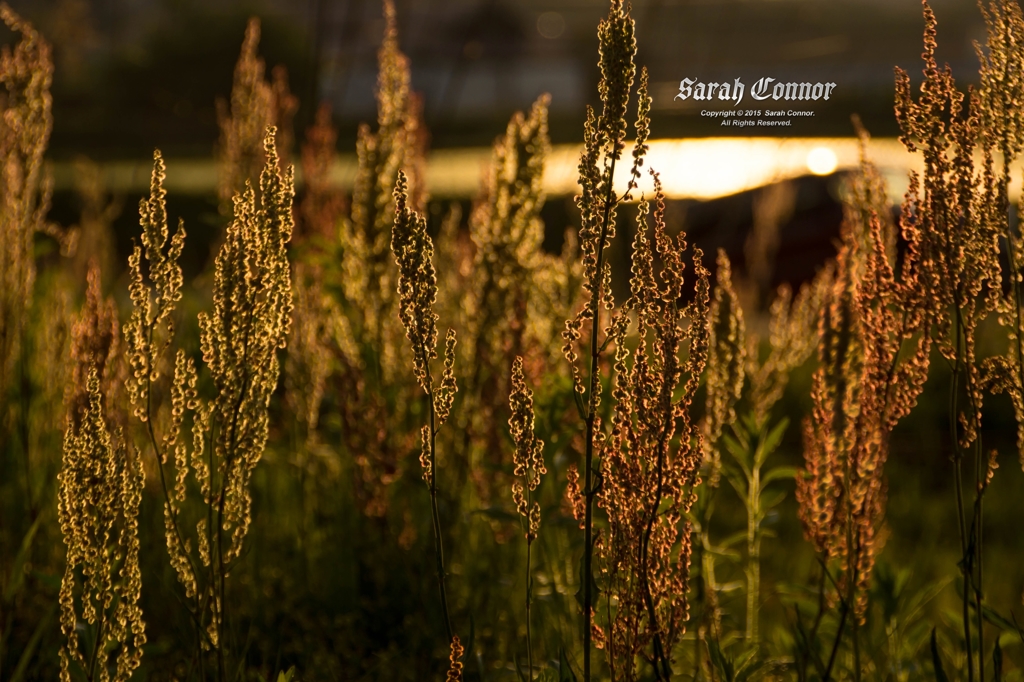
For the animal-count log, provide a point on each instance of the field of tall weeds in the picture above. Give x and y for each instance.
(370, 444)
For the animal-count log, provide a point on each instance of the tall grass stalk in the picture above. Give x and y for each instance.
(239, 339)
(26, 121)
(528, 461)
(961, 216)
(604, 141)
(650, 463)
(417, 293)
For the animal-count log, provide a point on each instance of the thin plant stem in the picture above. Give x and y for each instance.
(851, 571)
(844, 611)
(659, 650)
(529, 598)
(855, 632)
(978, 584)
(958, 485)
(221, 568)
(595, 384)
(821, 604)
(812, 636)
(221, 606)
(435, 515)
(24, 389)
(753, 548)
(196, 612)
(698, 636)
(99, 638)
(663, 444)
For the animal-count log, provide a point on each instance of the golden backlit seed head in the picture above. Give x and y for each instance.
(866, 382)
(417, 282)
(100, 490)
(528, 457)
(149, 331)
(425, 462)
(448, 388)
(455, 668)
(249, 323)
(650, 461)
(616, 49)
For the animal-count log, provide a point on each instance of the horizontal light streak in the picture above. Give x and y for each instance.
(705, 168)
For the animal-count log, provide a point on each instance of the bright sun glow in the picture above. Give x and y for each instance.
(821, 160)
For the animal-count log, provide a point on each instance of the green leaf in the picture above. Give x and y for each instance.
(739, 536)
(30, 648)
(738, 483)
(777, 473)
(770, 500)
(920, 599)
(720, 662)
(286, 676)
(519, 669)
(579, 404)
(993, 617)
(565, 671)
(750, 669)
(997, 662)
(739, 448)
(724, 553)
(940, 674)
(750, 423)
(771, 441)
(18, 568)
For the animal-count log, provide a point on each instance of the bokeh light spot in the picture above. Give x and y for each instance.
(821, 160)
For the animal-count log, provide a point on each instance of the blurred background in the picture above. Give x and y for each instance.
(132, 75)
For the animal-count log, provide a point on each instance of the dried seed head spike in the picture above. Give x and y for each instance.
(726, 360)
(150, 329)
(512, 297)
(243, 122)
(448, 388)
(417, 282)
(428, 468)
(95, 345)
(322, 204)
(455, 668)
(100, 489)
(240, 337)
(865, 384)
(574, 494)
(26, 73)
(528, 458)
(650, 462)
(643, 131)
(616, 48)
(393, 77)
